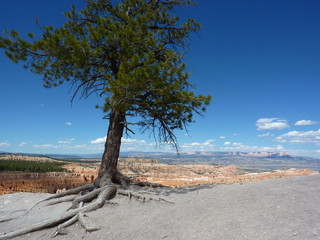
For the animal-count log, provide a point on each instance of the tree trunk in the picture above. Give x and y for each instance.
(110, 156)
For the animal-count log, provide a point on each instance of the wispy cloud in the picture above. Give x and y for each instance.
(5, 144)
(127, 144)
(271, 124)
(46, 146)
(266, 135)
(306, 123)
(83, 146)
(232, 144)
(22, 144)
(68, 123)
(65, 145)
(240, 147)
(300, 137)
(99, 140)
(222, 137)
(64, 142)
(199, 146)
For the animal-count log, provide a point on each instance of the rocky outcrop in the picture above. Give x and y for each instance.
(11, 182)
(187, 175)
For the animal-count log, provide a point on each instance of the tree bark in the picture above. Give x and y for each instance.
(110, 156)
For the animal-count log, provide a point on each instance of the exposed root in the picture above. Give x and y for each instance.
(123, 180)
(95, 195)
(65, 199)
(140, 197)
(62, 228)
(87, 198)
(108, 193)
(6, 219)
(72, 191)
(148, 184)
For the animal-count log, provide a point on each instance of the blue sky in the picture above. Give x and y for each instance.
(258, 59)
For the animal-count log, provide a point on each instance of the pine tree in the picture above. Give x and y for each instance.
(130, 53)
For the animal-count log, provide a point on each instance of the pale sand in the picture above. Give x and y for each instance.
(272, 209)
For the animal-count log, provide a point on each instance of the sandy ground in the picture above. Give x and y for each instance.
(274, 209)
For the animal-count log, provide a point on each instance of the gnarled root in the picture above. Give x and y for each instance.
(86, 187)
(62, 228)
(140, 197)
(148, 184)
(107, 193)
(95, 195)
(87, 197)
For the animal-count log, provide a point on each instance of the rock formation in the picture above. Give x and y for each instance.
(140, 169)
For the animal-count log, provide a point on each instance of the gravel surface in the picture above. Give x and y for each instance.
(274, 209)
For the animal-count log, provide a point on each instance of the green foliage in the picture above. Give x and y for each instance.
(31, 166)
(130, 52)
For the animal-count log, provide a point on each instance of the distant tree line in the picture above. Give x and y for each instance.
(31, 166)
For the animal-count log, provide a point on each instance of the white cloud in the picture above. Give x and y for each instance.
(199, 146)
(80, 146)
(266, 135)
(279, 147)
(300, 137)
(127, 144)
(132, 141)
(271, 124)
(232, 144)
(222, 137)
(64, 142)
(99, 140)
(68, 123)
(46, 146)
(240, 147)
(306, 123)
(22, 144)
(65, 145)
(5, 144)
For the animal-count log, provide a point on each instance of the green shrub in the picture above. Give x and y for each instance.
(31, 166)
